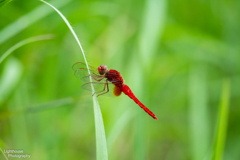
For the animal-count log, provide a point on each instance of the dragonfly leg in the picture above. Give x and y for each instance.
(104, 89)
(106, 84)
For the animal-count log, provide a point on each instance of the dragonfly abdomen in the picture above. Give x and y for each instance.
(126, 90)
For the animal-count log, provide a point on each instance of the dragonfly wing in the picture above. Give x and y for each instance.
(83, 65)
(83, 75)
(81, 72)
(105, 89)
(78, 65)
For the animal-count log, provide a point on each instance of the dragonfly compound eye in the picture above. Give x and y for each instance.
(102, 69)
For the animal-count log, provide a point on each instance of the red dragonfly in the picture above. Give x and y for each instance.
(104, 81)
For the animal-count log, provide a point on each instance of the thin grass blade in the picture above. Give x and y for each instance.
(10, 77)
(4, 2)
(198, 112)
(222, 122)
(24, 42)
(3, 154)
(101, 145)
(40, 107)
(26, 20)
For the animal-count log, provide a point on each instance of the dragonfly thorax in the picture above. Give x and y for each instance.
(114, 77)
(102, 69)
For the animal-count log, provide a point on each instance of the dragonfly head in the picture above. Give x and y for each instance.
(102, 69)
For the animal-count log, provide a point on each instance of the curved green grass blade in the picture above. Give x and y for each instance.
(119, 127)
(198, 112)
(10, 77)
(101, 145)
(2, 145)
(222, 122)
(4, 2)
(3, 154)
(39, 107)
(26, 20)
(154, 14)
(23, 42)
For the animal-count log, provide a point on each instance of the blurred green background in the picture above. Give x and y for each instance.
(175, 55)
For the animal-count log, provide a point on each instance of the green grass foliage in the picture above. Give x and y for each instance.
(180, 58)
